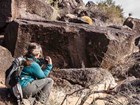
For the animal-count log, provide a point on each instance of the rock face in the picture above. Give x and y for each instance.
(69, 45)
(5, 61)
(35, 9)
(84, 77)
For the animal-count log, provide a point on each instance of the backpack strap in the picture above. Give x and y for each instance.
(8, 78)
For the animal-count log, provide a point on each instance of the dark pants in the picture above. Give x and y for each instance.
(40, 89)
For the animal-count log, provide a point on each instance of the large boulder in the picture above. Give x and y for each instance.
(29, 9)
(84, 77)
(77, 84)
(71, 45)
(5, 62)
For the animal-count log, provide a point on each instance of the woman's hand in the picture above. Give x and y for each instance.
(49, 60)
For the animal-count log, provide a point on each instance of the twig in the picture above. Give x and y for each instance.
(102, 91)
(85, 98)
(71, 94)
(92, 92)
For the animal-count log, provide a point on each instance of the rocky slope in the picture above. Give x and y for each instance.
(82, 54)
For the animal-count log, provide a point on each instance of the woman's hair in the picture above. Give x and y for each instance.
(34, 49)
(27, 62)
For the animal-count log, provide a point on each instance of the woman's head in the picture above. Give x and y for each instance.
(35, 49)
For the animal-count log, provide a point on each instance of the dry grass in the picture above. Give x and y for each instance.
(113, 12)
(117, 58)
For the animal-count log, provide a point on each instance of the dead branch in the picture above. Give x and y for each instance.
(88, 94)
(71, 94)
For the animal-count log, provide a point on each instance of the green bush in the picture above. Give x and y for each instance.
(111, 10)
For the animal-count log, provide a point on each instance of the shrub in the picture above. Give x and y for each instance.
(111, 10)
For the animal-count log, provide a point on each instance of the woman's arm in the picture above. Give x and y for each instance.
(38, 72)
(49, 66)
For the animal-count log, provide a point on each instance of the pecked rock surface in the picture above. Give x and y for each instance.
(84, 77)
(70, 44)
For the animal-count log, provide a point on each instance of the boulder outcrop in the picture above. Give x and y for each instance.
(34, 9)
(71, 45)
(84, 77)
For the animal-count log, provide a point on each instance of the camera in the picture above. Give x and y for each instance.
(43, 60)
(43, 63)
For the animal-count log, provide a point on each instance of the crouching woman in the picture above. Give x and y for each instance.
(34, 81)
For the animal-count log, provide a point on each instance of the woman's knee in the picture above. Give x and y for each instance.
(49, 80)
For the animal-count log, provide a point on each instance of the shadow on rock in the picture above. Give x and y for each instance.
(6, 98)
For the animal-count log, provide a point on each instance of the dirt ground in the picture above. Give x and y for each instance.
(4, 99)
